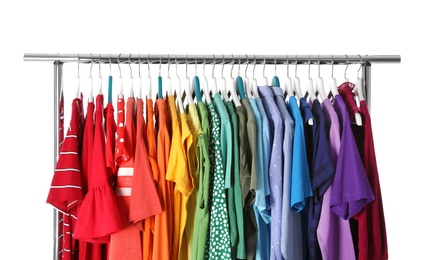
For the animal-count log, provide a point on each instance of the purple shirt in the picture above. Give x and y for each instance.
(334, 236)
(275, 169)
(351, 191)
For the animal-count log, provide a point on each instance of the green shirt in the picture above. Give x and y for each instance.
(202, 213)
(238, 246)
(218, 244)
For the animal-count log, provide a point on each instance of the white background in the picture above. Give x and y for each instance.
(199, 27)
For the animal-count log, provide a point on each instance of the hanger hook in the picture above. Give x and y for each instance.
(263, 69)
(149, 69)
(196, 66)
(159, 68)
(309, 66)
(247, 64)
(139, 65)
(79, 59)
(361, 64)
(130, 65)
(296, 66)
(332, 65)
(99, 64)
(109, 62)
(275, 65)
(347, 65)
(186, 66)
(203, 67)
(254, 66)
(168, 65)
(90, 70)
(213, 67)
(231, 71)
(118, 64)
(222, 68)
(238, 68)
(287, 62)
(175, 62)
(319, 67)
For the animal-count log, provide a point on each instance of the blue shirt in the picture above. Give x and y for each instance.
(261, 208)
(275, 169)
(310, 130)
(301, 182)
(291, 236)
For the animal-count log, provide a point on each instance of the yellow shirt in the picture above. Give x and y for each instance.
(178, 172)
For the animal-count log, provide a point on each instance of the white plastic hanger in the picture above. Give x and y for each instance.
(131, 78)
(320, 84)
(246, 80)
(100, 78)
(288, 83)
(149, 80)
(169, 84)
(178, 89)
(265, 80)
(213, 88)
(223, 90)
(232, 88)
(186, 85)
(275, 82)
(310, 90)
(254, 83)
(359, 84)
(296, 84)
(345, 70)
(358, 117)
(78, 82)
(91, 82)
(205, 85)
(120, 92)
(333, 87)
(138, 80)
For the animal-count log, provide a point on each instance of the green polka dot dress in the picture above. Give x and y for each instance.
(218, 246)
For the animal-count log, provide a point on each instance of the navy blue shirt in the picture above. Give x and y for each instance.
(322, 173)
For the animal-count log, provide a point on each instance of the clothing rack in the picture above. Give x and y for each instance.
(59, 59)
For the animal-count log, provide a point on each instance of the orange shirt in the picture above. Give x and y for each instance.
(163, 232)
(148, 234)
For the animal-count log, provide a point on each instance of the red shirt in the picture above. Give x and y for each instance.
(98, 216)
(66, 187)
(110, 134)
(369, 231)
